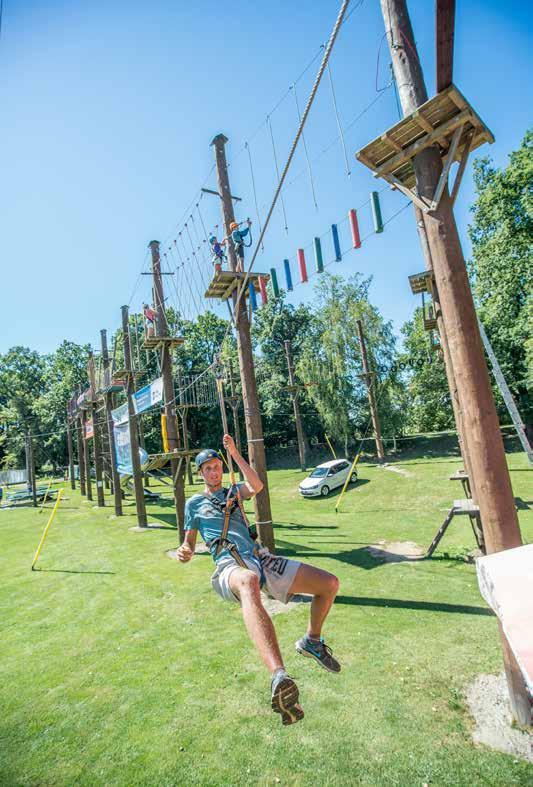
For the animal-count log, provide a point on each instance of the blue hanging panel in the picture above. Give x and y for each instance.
(253, 297)
(336, 244)
(288, 276)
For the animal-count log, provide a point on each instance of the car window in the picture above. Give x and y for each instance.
(319, 472)
(343, 466)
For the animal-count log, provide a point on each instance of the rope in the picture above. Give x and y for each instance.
(341, 133)
(292, 151)
(277, 172)
(305, 149)
(247, 146)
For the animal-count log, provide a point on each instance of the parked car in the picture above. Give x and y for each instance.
(326, 477)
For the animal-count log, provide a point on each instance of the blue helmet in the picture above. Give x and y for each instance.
(205, 456)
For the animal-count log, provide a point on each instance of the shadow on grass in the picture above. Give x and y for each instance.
(297, 526)
(422, 606)
(523, 505)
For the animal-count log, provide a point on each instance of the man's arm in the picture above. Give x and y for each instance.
(253, 484)
(186, 551)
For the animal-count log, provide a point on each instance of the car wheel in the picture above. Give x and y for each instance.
(324, 491)
(353, 478)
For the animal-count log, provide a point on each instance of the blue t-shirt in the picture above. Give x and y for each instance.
(207, 515)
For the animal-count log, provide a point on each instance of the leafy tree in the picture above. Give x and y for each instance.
(331, 358)
(501, 269)
(427, 399)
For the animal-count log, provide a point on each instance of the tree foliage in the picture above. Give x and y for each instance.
(501, 269)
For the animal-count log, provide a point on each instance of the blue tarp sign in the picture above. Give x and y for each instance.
(121, 430)
(149, 395)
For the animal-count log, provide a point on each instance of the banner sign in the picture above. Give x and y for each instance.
(89, 428)
(120, 414)
(149, 395)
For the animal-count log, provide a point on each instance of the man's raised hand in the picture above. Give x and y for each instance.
(229, 444)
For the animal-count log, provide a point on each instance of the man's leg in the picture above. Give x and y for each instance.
(323, 586)
(285, 695)
(245, 585)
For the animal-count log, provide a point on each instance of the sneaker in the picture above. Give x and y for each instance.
(318, 650)
(285, 698)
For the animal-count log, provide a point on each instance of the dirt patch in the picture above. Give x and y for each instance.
(274, 607)
(396, 551)
(399, 470)
(488, 701)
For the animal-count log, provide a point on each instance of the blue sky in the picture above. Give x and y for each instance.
(109, 108)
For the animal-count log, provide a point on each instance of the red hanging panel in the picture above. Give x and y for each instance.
(303, 266)
(354, 226)
(263, 290)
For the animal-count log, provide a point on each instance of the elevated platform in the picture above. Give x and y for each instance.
(430, 324)
(226, 282)
(421, 282)
(158, 342)
(446, 121)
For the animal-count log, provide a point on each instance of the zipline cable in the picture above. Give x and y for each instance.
(339, 126)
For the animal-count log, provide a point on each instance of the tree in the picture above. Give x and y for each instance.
(427, 400)
(331, 357)
(501, 270)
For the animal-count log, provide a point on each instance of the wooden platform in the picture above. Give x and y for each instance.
(225, 282)
(430, 323)
(421, 282)
(158, 342)
(447, 121)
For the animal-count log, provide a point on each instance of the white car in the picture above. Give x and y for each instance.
(326, 477)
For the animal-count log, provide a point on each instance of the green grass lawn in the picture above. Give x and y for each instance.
(122, 667)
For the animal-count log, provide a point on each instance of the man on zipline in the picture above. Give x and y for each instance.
(243, 568)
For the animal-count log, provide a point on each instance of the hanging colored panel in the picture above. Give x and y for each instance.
(288, 276)
(253, 298)
(274, 282)
(376, 212)
(303, 266)
(263, 290)
(336, 244)
(354, 226)
(318, 255)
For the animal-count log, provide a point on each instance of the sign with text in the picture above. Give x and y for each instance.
(151, 394)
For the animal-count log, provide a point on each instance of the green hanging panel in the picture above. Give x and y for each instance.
(376, 211)
(274, 282)
(318, 256)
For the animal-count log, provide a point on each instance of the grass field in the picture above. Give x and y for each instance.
(121, 667)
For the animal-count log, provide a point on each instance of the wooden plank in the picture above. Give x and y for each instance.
(462, 167)
(425, 142)
(450, 158)
(389, 138)
(397, 184)
(445, 26)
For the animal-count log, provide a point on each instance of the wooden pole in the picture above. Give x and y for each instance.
(183, 408)
(369, 378)
(81, 453)
(108, 398)
(28, 461)
(252, 414)
(448, 367)
(70, 454)
(300, 434)
(32, 472)
(487, 456)
(174, 441)
(87, 455)
(140, 504)
(97, 444)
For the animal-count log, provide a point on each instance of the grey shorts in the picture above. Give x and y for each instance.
(278, 573)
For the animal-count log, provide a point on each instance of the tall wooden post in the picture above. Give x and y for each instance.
(293, 389)
(448, 367)
(252, 414)
(97, 444)
(87, 456)
(108, 399)
(480, 421)
(369, 377)
(81, 453)
(174, 441)
(183, 410)
(28, 460)
(70, 454)
(30, 468)
(140, 504)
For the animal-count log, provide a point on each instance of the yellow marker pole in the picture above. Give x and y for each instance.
(47, 528)
(330, 446)
(352, 468)
(45, 495)
(164, 433)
